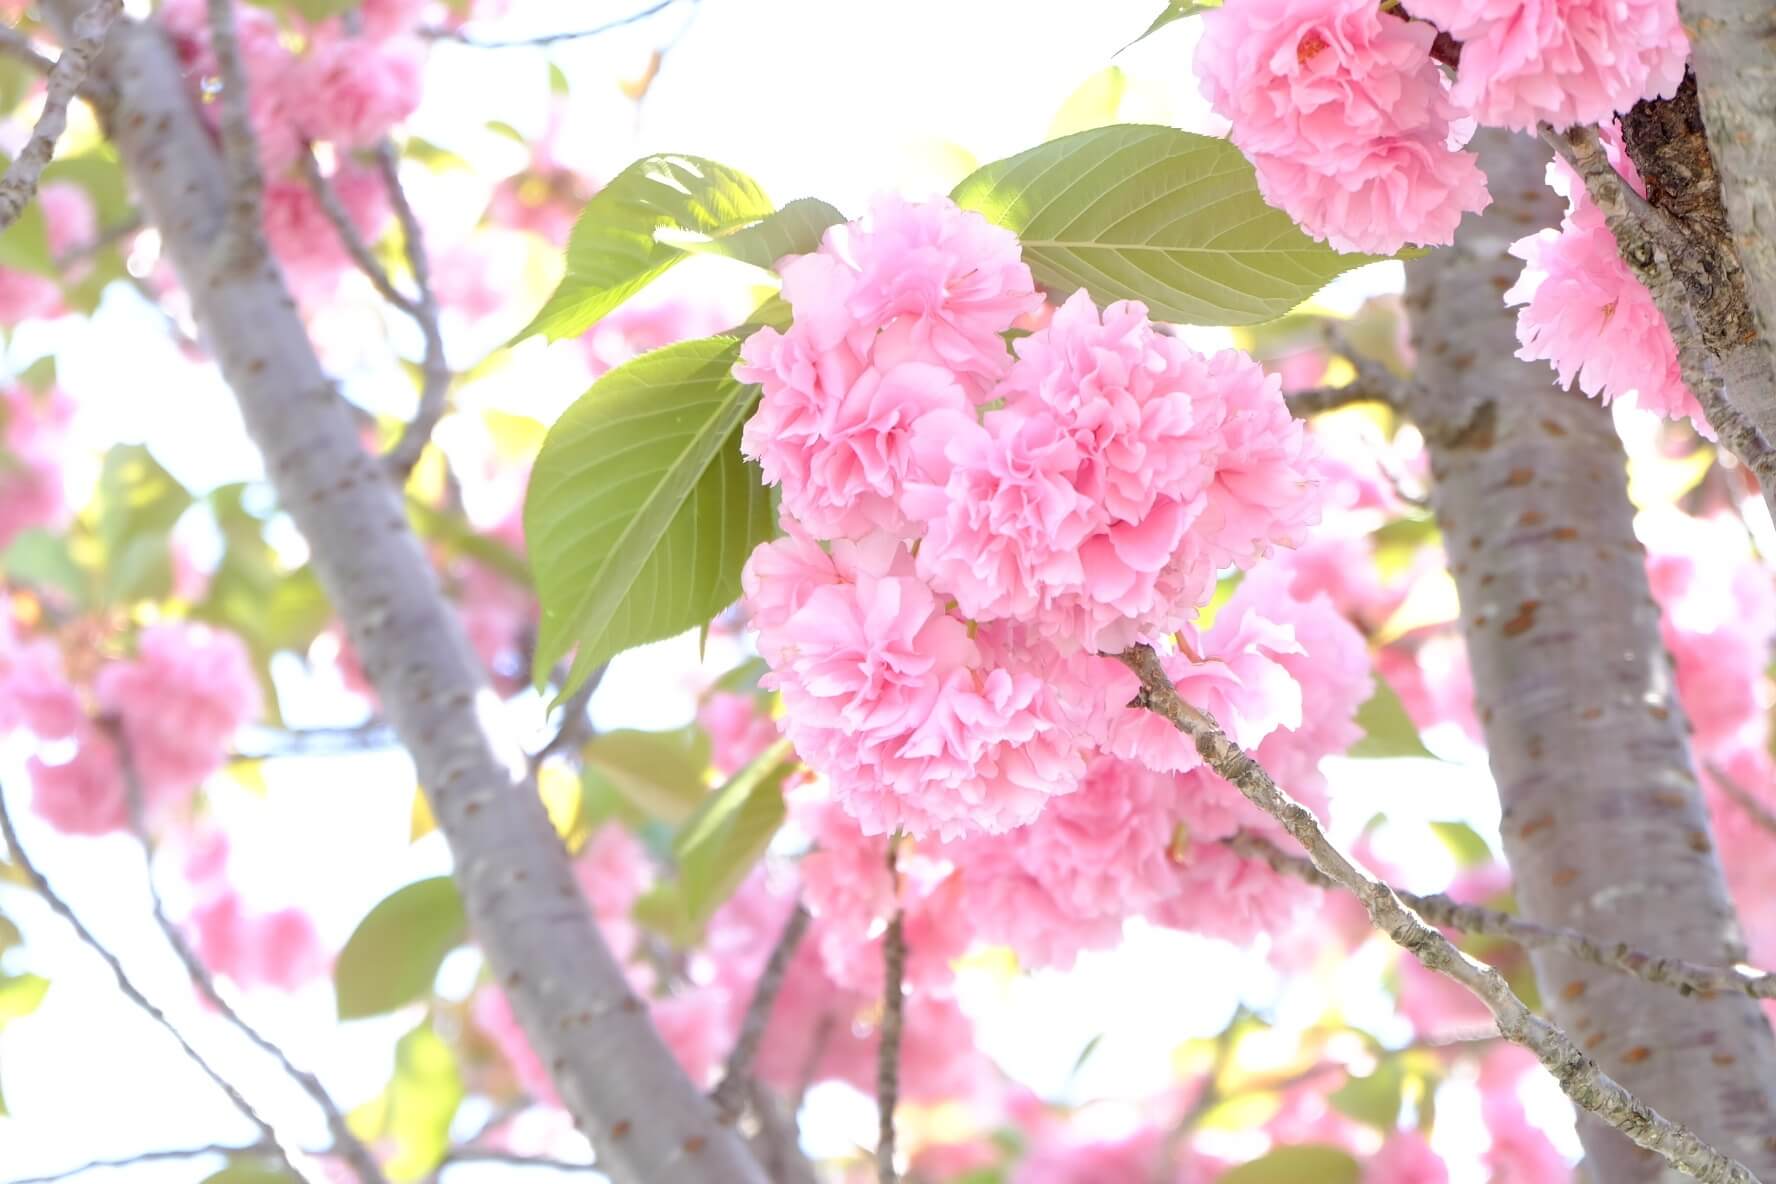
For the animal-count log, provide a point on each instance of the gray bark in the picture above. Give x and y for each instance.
(1733, 52)
(1604, 824)
(645, 1118)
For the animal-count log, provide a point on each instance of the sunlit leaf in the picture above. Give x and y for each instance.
(137, 503)
(615, 251)
(1305, 1164)
(422, 1099)
(796, 229)
(1387, 730)
(20, 994)
(1167, 217)
(392, 958)
(641, 510)
(1175, 10)
(1093, 104)
(654, 771)
(1374, 1099)
(1465, 843)
(725, 838)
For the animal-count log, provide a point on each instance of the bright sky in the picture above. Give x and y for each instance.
(813, 97)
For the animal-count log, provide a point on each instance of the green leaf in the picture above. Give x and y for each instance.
(19, 995)
(40, 375)
(137, 504)
(24, 246)
(796, 229)
(392, 958)
(1387, 729)
(641, 510)
(657, 772)
(421, 1100)
(1465, 843)
(614, 251)
(1139, 212)
(251, 1171)
(722, 841)
(1374, 1099)
(1175, 10)
(43, 559)
(1093, 104)
(1303, 1164)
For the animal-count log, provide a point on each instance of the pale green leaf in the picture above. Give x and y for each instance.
(19, 995)
(796, 229)
(1304, 1164)
(1175, 10)
(1387, 729)
(392, 958)
(137, 504)
(1140, 212)
(656, 772)
(24, 246)
(252, 1171)
(1464, 843)
(727, 836)
(1374, 1099)
(615, 249)
(43, 559)
(422, 1098)
(641, 509)
(1094, 104)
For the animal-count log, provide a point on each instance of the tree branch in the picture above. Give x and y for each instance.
(1687, 978)
(353, 242)
(63, 910)
(243, 243)
(65, 78)
(1660, 254)
(1319, 400)
(615, 1074)
(434, 368)
(18, 47)
(1579, 1077)
(470, 39)
(346, 1144)
(576, 724)
(144, 1158)
(888, 1042)
(1761, 814)
(730, 1093)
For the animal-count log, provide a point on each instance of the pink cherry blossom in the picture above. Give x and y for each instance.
(1560, 61)
(1581, 309)
(35, 427)
(35, 693)
(739, 730)
(353, 92)
(83, 795)
(69, 222)
(1220, 894)
(179, 701)
(305, 242)
(279, 949)
(1345, 117)
(1406, 1158)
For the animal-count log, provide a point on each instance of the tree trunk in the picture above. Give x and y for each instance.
(649, 1124)
(1604, 824)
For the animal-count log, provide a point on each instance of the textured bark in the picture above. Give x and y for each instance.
(1604, 824)
(645, 1118)
(1733, 51)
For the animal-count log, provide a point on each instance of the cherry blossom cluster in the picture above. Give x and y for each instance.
(177, 703)
(1583, 311)
(969, 528)
(1353, 128)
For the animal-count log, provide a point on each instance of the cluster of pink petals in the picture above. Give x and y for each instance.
(278, 949)
(897, 317)
(69, 222)
(179, 701)
(1121, 471)
(1525, 62)
(1406, 1158)
(1582, 310)
(304, 240)
(1345, 117)
(35, 426)
(887, 695)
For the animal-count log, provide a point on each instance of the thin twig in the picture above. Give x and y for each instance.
(1321, 399)
(457, 35)
(63, 910)
(434, 368)
(65, 78)
(510, 1159)
(17, 46)
(353, 242)
(576, 723)
(1761, 814)
(243, 244)
(1579, 1077)
(346, 1143)
(730, 1092)
(81, 252)
(140, 1159)
(1688, 978)
(888, 1047)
